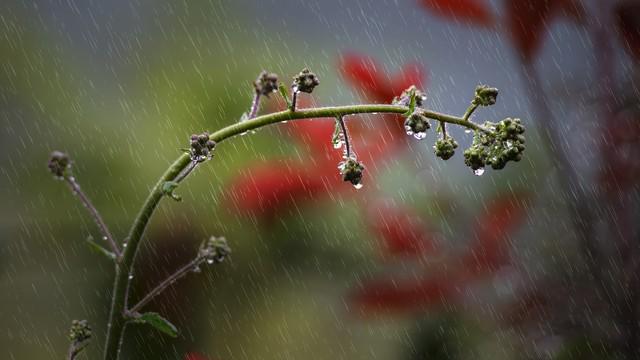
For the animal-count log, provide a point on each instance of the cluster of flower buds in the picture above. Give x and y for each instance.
(417, 125)
(80, 331)
(351, 170)
(445, 148)
(305, 81)
(201, 147)
(215, 250)
(405, 98)
(485, 96)
(504, 143)
(266, 83)
(59, 164)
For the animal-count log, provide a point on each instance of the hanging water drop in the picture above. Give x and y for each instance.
(478, 172)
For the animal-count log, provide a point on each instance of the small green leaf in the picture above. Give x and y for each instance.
(158, 322)
(168, 187)
(99, 249)
(285, 94)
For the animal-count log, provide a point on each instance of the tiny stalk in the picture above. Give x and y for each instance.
(493, 144)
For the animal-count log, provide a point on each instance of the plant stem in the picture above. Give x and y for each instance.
(124, 269)
(343, 128)
(469, 111)
(104, 230)
(294, 99)
(255, 105)
(180, 273)
(185, 172)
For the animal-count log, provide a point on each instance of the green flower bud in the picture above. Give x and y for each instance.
(405, 98)
(80, 331)
(351, 171)
(485, 95)
(417, 125)
(59, 164)
(445, 148)
(305, 81)
(215, 250)
(475, 157)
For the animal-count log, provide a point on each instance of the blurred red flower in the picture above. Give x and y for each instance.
(194, 356)
(487, 254)
(619, 149)
(628, 21)
(403, 232)
(267, 189)
(472, 11)
(529, 20)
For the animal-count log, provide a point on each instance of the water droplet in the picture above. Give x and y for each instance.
(420, 135)
(209, 261)
(197, 270)
(467, 131)
(478, 172)
(124, 245)
(130, 276)
(104, 238)
(358, 186)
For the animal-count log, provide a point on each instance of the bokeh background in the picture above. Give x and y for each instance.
(427, 261)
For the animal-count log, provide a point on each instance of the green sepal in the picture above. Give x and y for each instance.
(412, 103)
(158, 322)
(99, 249)
(168, 187)
(284, 92)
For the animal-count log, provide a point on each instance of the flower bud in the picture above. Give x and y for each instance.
(305, 81)
(417, 125)
(485, 95)
(351, 171)
(201, 147)
(80, 331)
(405, 98)
(59, 164)
(475, 157)
(215, 250)
(445, 148)
(266, 83)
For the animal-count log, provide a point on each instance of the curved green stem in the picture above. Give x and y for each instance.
(124, 269)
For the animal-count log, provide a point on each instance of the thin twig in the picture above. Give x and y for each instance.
(186, 171)
(345, 135)
(443, 127)
(180, 273)
(75, 187)
(294, 99)
(255, 105)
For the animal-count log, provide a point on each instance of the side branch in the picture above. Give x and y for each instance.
(104, 230)
(179, 274)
